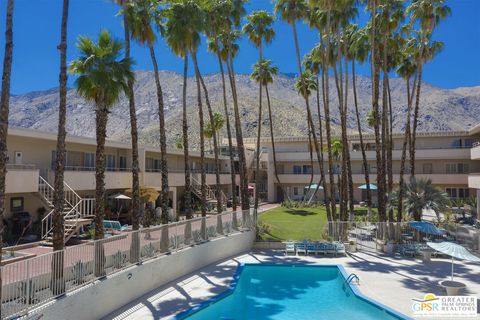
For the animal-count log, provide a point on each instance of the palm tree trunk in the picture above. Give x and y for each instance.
(101, 132)
(389, 148)
(218, 193)
(326, 98)
(322, 171)
(163, 139)
(415, 121)
(270, 120)
(4, 110)
(135, 245)
(362, 146)
(259, 135)
(58, 284)
(133, 133)
(238, 131)
(203, 177)
(229, 131)
(186, 158)
(310, 151)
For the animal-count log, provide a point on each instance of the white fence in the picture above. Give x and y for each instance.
(29, 283)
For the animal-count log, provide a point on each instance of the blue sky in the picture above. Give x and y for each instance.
(37, 33)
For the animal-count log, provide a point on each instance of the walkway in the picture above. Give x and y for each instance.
(393, 281)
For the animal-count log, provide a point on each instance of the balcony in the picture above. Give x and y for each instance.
(21, 178)
(359, 178)
(475, 151)
(82, 178)
(474, 180)
(176, 177)
(420, 153)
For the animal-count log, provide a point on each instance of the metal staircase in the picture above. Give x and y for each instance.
(76, 213)
(211, 192)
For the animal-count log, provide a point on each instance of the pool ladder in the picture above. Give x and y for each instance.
(351, 277)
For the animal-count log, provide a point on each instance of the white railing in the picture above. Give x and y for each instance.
(76, 206)
(30, 283)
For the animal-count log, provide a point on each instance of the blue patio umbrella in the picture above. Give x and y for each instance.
(454, 250)
(426, 227)
(371, 185)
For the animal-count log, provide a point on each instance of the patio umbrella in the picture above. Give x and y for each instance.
(120, 196)
(426, 227)
(313, 186)
(454, 250)
(371, 185)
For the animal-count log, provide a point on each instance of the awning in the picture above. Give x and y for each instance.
(365, 186)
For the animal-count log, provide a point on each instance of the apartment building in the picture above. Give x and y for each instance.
(474, 176)
(443, 157)
(30, 174)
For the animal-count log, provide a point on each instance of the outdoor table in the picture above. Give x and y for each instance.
(452, 287)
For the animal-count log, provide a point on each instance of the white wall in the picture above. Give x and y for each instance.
(98, 300)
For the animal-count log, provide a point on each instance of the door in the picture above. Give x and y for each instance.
(18, 157)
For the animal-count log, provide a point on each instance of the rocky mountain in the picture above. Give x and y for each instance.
(441, 109)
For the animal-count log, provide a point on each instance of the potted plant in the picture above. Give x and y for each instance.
(351, 246)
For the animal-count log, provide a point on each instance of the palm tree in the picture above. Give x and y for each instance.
(428, 13)
(209, 131)
(140, 16)
(259, 29)
(4, 110)
(313, 63)
(263, 73)
(102, 78)
(181, 40)
(421, 195)
(134, 136)
(359, 52)
(291, 11)
(228, 40)
(59, 197)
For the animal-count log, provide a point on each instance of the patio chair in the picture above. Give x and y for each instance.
(290, 248)
(301, 247)
(330, 248)
(312, 248)
(321, 247)
(339, 248)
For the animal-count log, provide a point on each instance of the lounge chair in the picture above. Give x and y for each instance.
(290, 248)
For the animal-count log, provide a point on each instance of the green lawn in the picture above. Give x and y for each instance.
(300, 223)
(294, 223)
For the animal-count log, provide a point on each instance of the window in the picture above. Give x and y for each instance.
(297, 170)
(463, 193)
(458, 193)
(457, 167)
(427, 168)
(89, 161)
(122, 163)
(307, 169)
(452, 192)
(295, 191)
(16, 204)
(156, 165)
(110, 162)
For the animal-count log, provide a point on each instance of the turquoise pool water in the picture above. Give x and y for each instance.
(279, 292)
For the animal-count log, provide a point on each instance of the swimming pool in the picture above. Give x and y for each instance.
(280, 292)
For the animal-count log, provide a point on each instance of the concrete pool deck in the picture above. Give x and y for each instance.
(390, 280)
